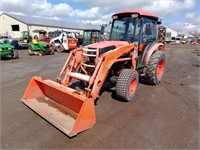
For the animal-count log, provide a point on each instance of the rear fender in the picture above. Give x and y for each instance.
(42, 45)
(149, 51)
(32, 46)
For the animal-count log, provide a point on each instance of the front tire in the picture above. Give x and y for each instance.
(59, 48)
(52, 47)
(30, 51)
(41, 53)
(156, 67)
(127, 83)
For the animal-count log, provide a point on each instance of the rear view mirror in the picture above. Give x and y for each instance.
(148, 29)
(102, 29)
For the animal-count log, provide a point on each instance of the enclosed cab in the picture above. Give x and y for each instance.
(25, 39)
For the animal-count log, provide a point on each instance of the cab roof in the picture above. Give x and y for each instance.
(140, 12)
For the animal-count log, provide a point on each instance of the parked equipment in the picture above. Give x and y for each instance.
(131, 52)
(91, 36)
(65, 41)
(171, 36)
(39, 48)
(25, 39)
(8, 50)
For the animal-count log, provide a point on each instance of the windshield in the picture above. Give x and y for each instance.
(124, 28)
(69, 34)
(25, 34)
(56, 33)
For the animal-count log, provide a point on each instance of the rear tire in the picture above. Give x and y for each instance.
(15, 55)
(41, 53)
(59, 48)
(52, 47)
(156, 67)
(51, 51)
(127, 83)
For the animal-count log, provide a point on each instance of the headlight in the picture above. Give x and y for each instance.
(0, 49)
(9, 48)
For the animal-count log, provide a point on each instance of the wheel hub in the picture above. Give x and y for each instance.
(160, 68)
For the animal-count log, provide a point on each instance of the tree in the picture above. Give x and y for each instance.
(195, 34)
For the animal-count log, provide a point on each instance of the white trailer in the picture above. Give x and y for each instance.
(171, 35)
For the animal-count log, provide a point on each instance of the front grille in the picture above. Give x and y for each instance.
(89, 56)
(4, 49)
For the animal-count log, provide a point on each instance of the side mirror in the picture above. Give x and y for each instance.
(102, 29)
(159, 21)
(148, 29)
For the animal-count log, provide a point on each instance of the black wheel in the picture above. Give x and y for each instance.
(156, 67)
(51, 52)
(30, 51)
(59, 48)
(127, 84)
(41, 53)
(48, 51)
(52, 47)
(15, 55)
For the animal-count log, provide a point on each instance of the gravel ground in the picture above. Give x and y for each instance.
(163, 117)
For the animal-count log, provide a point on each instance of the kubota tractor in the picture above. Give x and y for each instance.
(131, 52)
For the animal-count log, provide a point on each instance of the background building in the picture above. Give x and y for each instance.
(14, 25)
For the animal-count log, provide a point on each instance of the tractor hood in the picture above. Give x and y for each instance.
(6, 46)
(44, 43)
(104, 44)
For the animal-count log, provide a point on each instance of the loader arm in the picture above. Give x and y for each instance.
(96, 80)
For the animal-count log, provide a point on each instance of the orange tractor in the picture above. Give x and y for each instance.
(132, 51)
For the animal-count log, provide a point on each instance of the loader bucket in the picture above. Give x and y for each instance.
(62, 106)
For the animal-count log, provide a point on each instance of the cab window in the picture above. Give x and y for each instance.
(148, 30)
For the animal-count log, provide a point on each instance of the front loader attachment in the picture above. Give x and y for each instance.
(65, 108)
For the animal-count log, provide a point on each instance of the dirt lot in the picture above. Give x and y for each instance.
(163, 116)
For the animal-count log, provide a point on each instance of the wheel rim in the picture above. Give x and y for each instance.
(160, 68)
(133, 85)
(51, 47)
(59, 49)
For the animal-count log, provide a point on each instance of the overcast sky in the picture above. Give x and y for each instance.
(181, 15)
